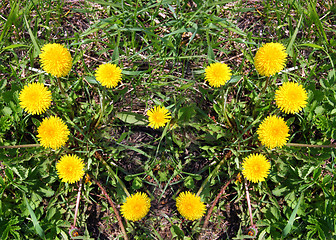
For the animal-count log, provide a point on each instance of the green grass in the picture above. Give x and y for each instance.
(163, 48)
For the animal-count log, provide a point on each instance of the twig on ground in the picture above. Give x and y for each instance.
(310, 145)
(77, 202)
(206, 221)
(114, 208)
(21, 146)
(248, 202)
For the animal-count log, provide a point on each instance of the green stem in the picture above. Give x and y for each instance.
(224, 108)
(21, 146)
(264, 88)
(102, 109)
(210, 176)
(310, 145)
(115, 176)
(259, 96)
(61, 88)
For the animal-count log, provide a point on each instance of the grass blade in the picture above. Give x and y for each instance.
(289, 225)
(13, 16)
(290, 45)
(32, 37)
(37, 226)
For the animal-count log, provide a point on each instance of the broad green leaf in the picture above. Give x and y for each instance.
(137, 183)
(91, 79)
(176, 232)
(211, 55)
(132, 118)
(115, 55)
(189, 182)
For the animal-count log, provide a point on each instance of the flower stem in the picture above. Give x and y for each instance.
(310, 145)
(248, 202)
(259, 96)
(77, 202)
(114, 208)
(264, 88)
(21, 146)
(224, 108)
(61, 88)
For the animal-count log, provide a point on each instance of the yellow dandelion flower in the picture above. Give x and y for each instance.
(273, 132)
(217, 74)
(158, 117)
(291, 97)
(53, 132)
(56, 59)
(109, 75)
(35, 98)
(270, 59)
(190, 206)
(256, 168)
(136, 206)
(70, 168)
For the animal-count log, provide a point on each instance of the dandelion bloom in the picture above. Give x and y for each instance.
(256, 167)
(270, 59)
(190, 206)
(136, 206)
(158, 117)
(291, 97)
(35, 98)
(53, 132)
(273, 132)
(109, 75)
(217, 74)
(56, 59)
(70, 168)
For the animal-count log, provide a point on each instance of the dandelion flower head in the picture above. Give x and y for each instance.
(256, 168)
(158, 117)
(35, 98)
(217, 74)
(270, 59)
(109, 75)
(56, 59)
(190, 206)
(53, 132)
(291, 97)
(70, 168)
(136, 206)
(273, 132)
